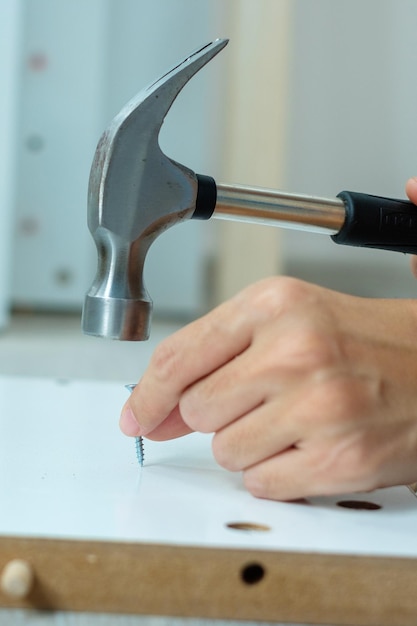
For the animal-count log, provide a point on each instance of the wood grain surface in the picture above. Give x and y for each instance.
(252, 585)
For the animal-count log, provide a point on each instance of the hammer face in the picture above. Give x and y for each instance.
(117, 318)
(135, 193)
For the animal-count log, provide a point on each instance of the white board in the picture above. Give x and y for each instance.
(67, 472)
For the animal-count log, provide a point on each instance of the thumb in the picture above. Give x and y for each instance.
(411, 189)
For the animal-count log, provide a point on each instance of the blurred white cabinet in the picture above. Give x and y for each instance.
(344, 98)
(10, 37)
(61, 115)
(80, 62)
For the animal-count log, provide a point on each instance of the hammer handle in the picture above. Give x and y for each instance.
(352, 218)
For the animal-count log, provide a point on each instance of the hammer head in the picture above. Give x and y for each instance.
(135, 193)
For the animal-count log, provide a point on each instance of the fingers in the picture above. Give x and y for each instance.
(411, 189)
(287, 476)
(231, 391)
(264, 432)
(225, 364)
(282, 477)
(184, 358)
(304, 389)
(306, 470)
(208, 369)
(267, 374)
(172, 427)
(310, 439)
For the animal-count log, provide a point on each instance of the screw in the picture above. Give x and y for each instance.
(140, 453)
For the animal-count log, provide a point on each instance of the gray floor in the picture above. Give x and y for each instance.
(54, 346)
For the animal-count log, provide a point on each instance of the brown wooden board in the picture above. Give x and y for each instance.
(215, 583)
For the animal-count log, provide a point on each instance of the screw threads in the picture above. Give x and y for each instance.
(140, 452)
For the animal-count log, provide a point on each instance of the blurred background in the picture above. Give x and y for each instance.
(310, 97)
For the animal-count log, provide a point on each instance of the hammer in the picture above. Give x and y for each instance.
(136, 192)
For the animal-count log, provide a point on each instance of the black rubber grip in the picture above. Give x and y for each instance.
(206, 198)
(377, 222)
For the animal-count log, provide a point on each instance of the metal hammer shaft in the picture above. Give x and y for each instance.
(352, 218)
(277, 208)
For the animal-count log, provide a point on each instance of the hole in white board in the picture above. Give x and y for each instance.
(359, 505)
(248, 526)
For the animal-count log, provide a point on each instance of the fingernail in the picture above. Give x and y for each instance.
(128, 424)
